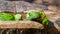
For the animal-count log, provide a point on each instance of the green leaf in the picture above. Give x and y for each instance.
(45, 21)
(6, 16)
(17, 16)
(31, 14)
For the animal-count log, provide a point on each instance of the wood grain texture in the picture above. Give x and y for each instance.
(20, 24)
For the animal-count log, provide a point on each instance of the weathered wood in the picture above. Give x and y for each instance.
(54, 21)
(18, 6)
(7, 6)
(20, 24)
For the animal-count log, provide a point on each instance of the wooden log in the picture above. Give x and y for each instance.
(54, 17)
(20, 24)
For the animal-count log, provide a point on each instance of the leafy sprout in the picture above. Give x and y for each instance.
(6, 16)
(32, 14)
